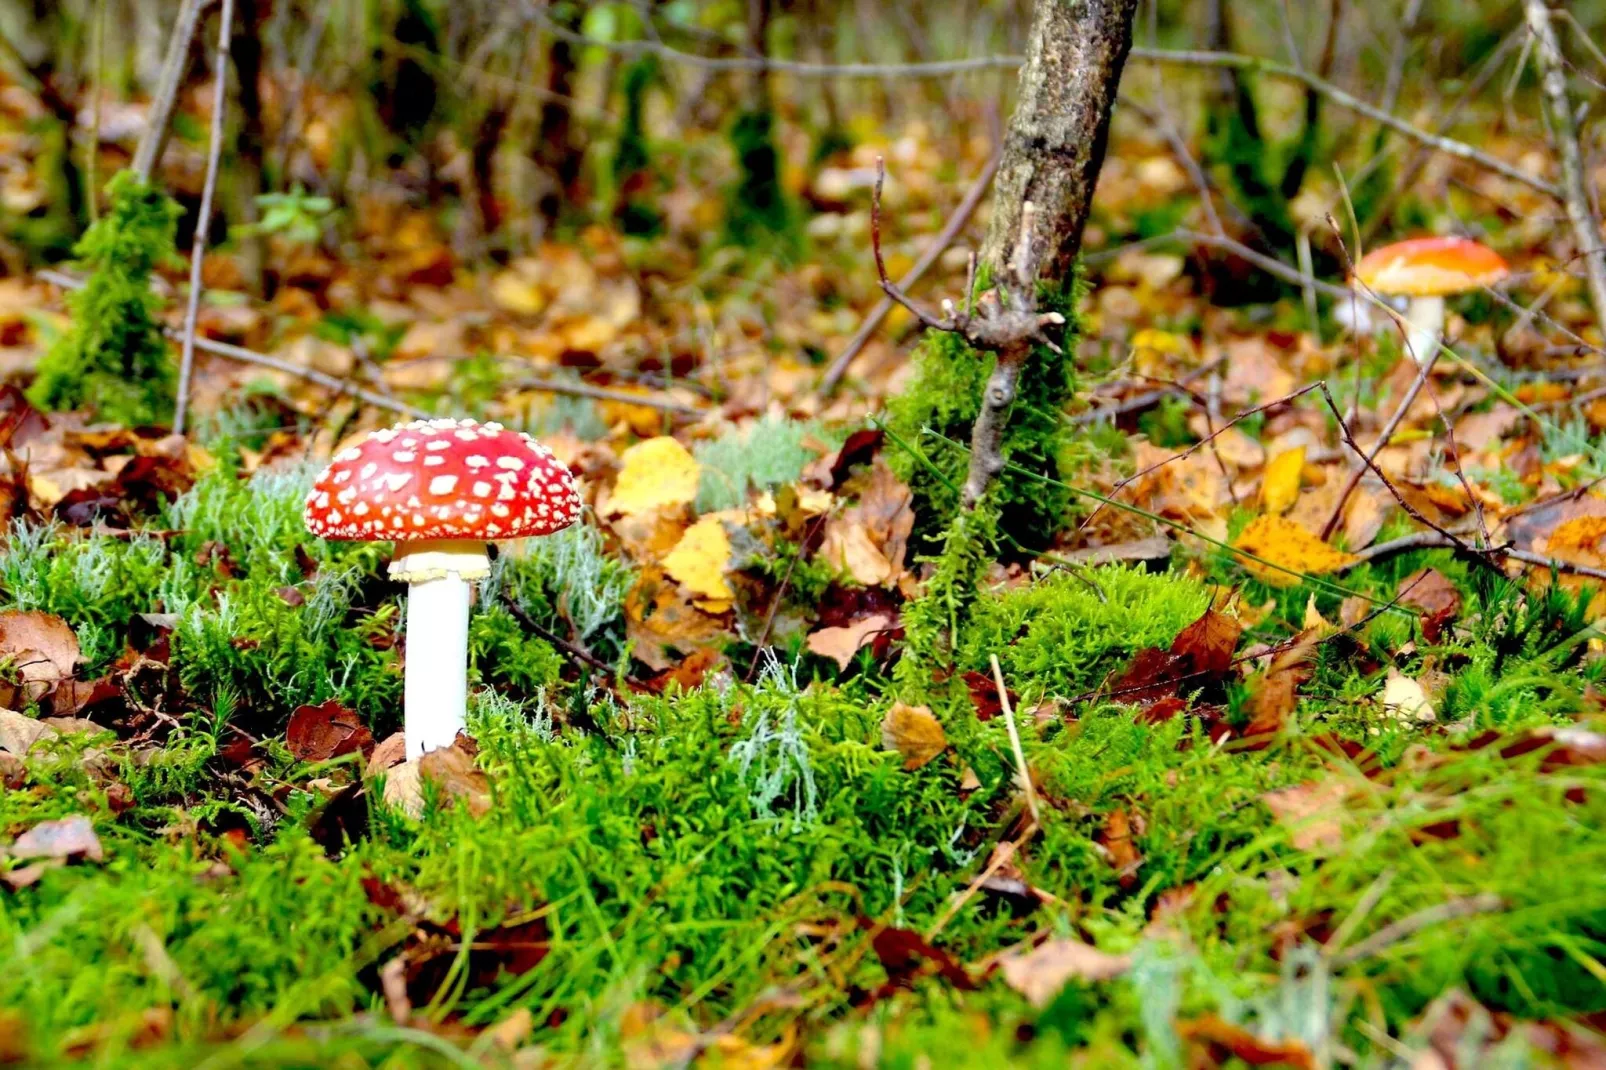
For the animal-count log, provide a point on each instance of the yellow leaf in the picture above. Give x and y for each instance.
(1279, 489)
(914, 733)
(657, 473)
(517, 294)
(698, 562)
(1280, 542)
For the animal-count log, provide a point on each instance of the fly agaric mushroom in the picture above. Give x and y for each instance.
(1427, 270)
(440, 489)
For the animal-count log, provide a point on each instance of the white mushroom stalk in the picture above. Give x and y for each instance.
(440, 489)
(1424, 326)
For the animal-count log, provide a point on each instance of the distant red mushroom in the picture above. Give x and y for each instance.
(440, 489)
(1427, 270)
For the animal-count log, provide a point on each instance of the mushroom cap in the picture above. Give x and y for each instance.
(1430, 267)
(442, 479)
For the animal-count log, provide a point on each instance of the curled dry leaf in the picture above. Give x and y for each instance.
(319, 733)
(914, 733)
(1040, 973)
(841, 644)
(41, 646)
(1432, 594)
(1285, 553)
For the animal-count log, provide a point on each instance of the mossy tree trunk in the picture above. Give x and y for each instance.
(1044, 191)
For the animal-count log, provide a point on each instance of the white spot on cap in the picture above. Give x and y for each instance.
(398, 480)
(404, 456)
(498, 509)
(438, 444)
(342, 475)
(476, 461)
(433, 460)
(367, 470)
(346, 456)
(481, 489)
(512, 464)
(441, 485)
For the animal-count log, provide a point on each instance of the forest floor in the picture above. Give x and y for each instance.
(1188, 785)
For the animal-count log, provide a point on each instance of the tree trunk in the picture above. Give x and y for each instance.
(1061, 126)
(250, 139)
(556, 154)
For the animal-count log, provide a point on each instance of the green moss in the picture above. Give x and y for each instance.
(114, 360)
(938, 409)
(758, 214)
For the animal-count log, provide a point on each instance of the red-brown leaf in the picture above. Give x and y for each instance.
(319, 733)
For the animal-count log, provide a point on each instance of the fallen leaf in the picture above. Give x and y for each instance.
(1279, 487)
(1312, 812)
(1404, 699)
(64, 838)
(849, 547)
(1314, 618)
(1432, 594)
(660, 615)
(1120, 847)
(392, 750)
(1040, 974)
(1233, 1041)
(841, 644)
(41, 646)
(1287, 552)
(1208, 643)
(319, 733)
(914, 733)
(698, 564)
(18, 732)
(904, 954)
(655, 474)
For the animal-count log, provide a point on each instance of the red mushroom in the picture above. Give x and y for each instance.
(440, 489)
(1427, 270)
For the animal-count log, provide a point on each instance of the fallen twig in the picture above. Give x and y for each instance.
(602, 393)
(158, 118)
(1014, 742)
(214, 150)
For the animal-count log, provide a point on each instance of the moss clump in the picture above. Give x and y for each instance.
(759, 215)
(114, 360)
(1061, 636)
(631, 169)
(936, 413)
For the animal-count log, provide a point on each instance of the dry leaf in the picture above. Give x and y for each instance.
(41, 646)
(1404, 699)
(657, 473)
(1040, 973)
(319, 733)
(849, 546)
(18, 733)
(1312, 812)
(1279, 487)
(660, 615)
(841, 644)
(1279, 542)
(65, 837)
(1431, 593)
(1313, 617)
(698, 564)
(914, 733)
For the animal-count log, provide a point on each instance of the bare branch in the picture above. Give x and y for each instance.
(149, 152)
(888, 287)
(214, 150)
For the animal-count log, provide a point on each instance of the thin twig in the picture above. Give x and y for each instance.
(576, 652)
(214, 150)
(602, 393)
(1269, 265)
(159, 116)
(950, 230)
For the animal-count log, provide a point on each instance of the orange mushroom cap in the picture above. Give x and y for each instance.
(1430, 267)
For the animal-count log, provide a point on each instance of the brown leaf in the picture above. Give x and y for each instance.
(1040, 973)
(1313, 812)
(690, 673)
(1117, 839)
(841, 644)
(1208, 643)
(41, 646)
(65, 838)
(319, 733)
(18, 732)
(392, 750)
(984, 695)
(904, 954)
(1431, 593)
(1225, 1041)
(860, 448)
(914, 733)
(453, 769)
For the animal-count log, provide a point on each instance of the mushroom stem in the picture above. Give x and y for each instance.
(1424, 318)
(440, 575)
